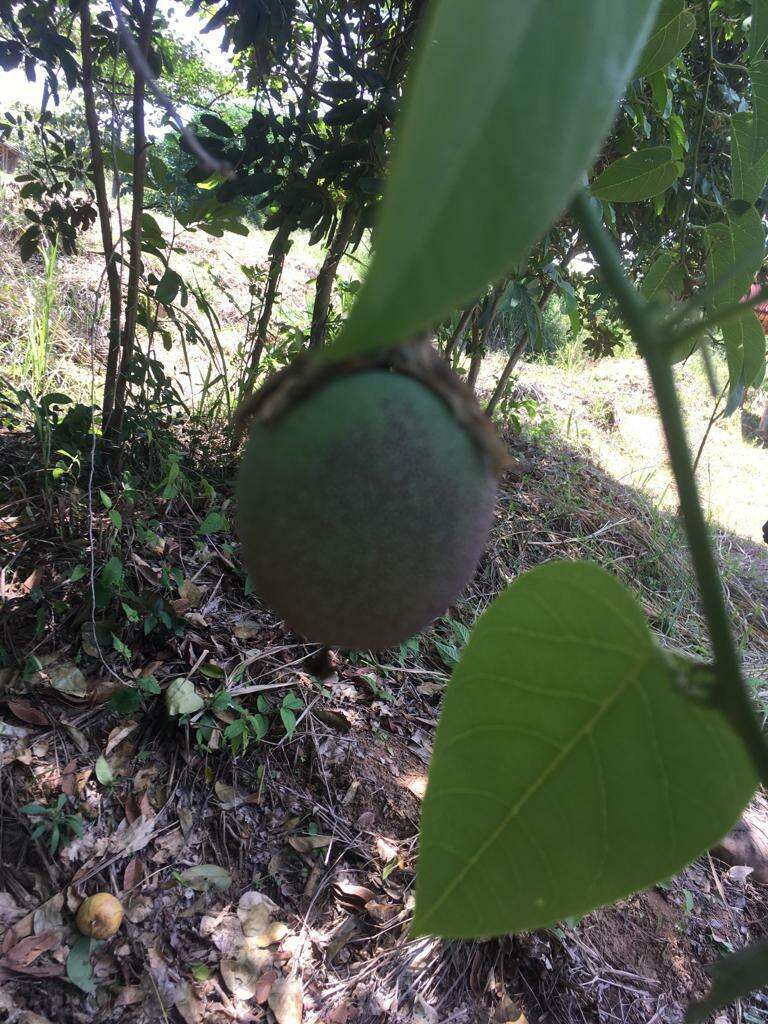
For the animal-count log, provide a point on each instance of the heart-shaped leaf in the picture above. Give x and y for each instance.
(181, 697)
(569, 769)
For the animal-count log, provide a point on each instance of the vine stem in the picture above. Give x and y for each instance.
(699, 136)
(732, 695)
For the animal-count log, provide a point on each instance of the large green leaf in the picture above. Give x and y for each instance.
(745, 350)
(758, 74)
(569, 769)
(505, 110)
(637, 176)
(663, 281)
(735, 250)
(758, 33)
(748, 172)
(663, 284)
(733, 977)
(672, 32)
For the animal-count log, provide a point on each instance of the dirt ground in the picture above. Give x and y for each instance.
(312, 836)
(276, 883)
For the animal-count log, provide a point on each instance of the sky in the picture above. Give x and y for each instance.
(14, 87)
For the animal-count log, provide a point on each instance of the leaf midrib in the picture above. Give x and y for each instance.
(630, 679)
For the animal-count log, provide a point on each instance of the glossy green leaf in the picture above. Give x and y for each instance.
(758, 32)
(748, 174)
(504, 113)
(637, 176)
(568, 768)
(733, 977)
(672, 32)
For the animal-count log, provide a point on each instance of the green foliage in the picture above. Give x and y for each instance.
(758, 34)
(675, 25)
(56, 821)
(79, 969)
(556, 66)
(563, 719)
(637, 176)
(735, 250)
(748, 173)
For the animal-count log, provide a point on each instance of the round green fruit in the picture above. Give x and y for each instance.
(363, 509)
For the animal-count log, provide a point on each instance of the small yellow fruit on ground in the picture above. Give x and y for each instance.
(100, 915)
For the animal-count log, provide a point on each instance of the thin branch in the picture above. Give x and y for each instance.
(731, 695)
(711, 423)
(699, 137)
(142, 69)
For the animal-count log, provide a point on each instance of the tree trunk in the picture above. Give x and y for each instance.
(763, 425)
(115, 425)
(477, 354)
(506, 373)
(327, 275)
(458, 334)
(281, 243)
(480, 339)
(514, 356)
(105, 222)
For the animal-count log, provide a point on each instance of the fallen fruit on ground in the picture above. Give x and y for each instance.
(364, 507)
(99, 916)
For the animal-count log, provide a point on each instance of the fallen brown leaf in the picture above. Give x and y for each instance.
(188, 1005)
(130, 995)
(286, 1001)
(28, 950)
(117, 735)
(27, 713)
(307, 844)
(264, 986)
(69, 777)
